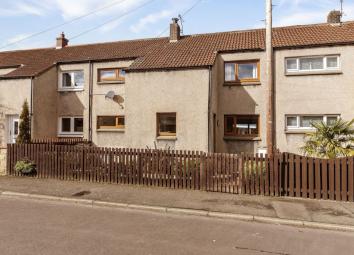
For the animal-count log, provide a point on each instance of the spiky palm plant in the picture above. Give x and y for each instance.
(330, 140)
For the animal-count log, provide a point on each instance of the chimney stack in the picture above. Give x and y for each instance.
(334, 17)
(175, 30)
(61, 41)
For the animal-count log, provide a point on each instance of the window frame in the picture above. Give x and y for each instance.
(72, 87)
(234, 129)
(325, 67)
(158, 117)
(298, 120)
(116, 127)
(118, 78)
(72, 126)
(236, 64)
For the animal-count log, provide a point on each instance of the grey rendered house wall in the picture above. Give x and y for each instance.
(312, 94)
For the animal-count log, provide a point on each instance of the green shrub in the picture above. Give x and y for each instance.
(25, 167)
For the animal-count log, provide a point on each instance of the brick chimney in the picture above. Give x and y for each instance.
(175, 30)
(61, 41)
(334, 17)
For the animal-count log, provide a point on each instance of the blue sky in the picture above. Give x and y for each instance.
(21, 18)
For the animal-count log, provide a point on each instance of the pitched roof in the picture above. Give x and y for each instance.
(191, 51)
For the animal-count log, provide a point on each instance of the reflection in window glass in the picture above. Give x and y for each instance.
(247, 71)
(305, 121)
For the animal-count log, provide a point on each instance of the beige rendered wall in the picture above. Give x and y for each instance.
(184, 92)
(107, 107)
(4, 71)
(312, 94)
(240, 99)
(45, 96)
(74, 103)
(13, 93)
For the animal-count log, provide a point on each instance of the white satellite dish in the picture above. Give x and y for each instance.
(110, 95)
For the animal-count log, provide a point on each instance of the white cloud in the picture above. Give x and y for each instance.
(150, 19)
(22, 8)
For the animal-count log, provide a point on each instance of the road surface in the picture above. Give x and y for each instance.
(42, 227)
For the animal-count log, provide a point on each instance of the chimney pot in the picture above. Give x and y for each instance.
(175, 30)
(334, 17)
(61, 41)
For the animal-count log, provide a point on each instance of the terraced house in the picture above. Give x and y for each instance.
(200, 92)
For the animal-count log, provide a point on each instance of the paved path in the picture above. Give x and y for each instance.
(40, 227)
(284, 208)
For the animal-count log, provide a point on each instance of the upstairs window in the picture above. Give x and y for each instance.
(312, 64)
(73, 80)
(110, 122)
(166, 124)
(305, 121)
(71, 126)
(241, 125)
(243, 71)
(111, 75)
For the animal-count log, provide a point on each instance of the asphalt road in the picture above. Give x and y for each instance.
(41, 227)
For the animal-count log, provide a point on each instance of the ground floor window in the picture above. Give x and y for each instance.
(241, 125)
(305, 121)
(110, 122)
(166, 124)
(71, 126)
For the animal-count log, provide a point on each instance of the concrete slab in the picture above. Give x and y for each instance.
(291, 210)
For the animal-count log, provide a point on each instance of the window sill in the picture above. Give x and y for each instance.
(248, 83)
(111, 130)
(110, 82)
(313, 73)
(299, 131)
(236, 138)
(168, 138)
(71, 135)
(70, 90)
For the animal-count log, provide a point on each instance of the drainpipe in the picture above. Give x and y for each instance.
(209, 108)
(90, 99)
(31, 108)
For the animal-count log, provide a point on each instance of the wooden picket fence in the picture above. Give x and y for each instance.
(281, 174)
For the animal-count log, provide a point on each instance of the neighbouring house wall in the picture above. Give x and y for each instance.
(45, 94)
(184, 92)
(4, 71)
(312, 94)
(107, 107)
(2, 161)
(74, 103)
(13, 93)
(241, 99)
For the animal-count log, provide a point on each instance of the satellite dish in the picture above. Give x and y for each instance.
(110, 95)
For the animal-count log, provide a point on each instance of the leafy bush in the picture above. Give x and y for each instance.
(25, 167)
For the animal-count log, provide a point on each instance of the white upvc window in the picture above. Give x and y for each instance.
(72, 80)
(303, 122)
(312, 64)
(71, 126)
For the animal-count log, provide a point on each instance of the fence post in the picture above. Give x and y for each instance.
(202, 172)
(240, 171)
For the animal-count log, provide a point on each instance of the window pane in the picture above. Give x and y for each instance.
(311, 63)
(66, 80)
(106, 121)
(121, 121)
(247, 71)
(121, 73)
(291, 121)
(291, 64)
(79, 79)
(78, 124)
(16, 128)
(229, 72)
(332, 62)
(331, 120)
(247, 125)
(229, 124)
(108, 74)
(167, 124)
(305, 121)
(65, 125)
